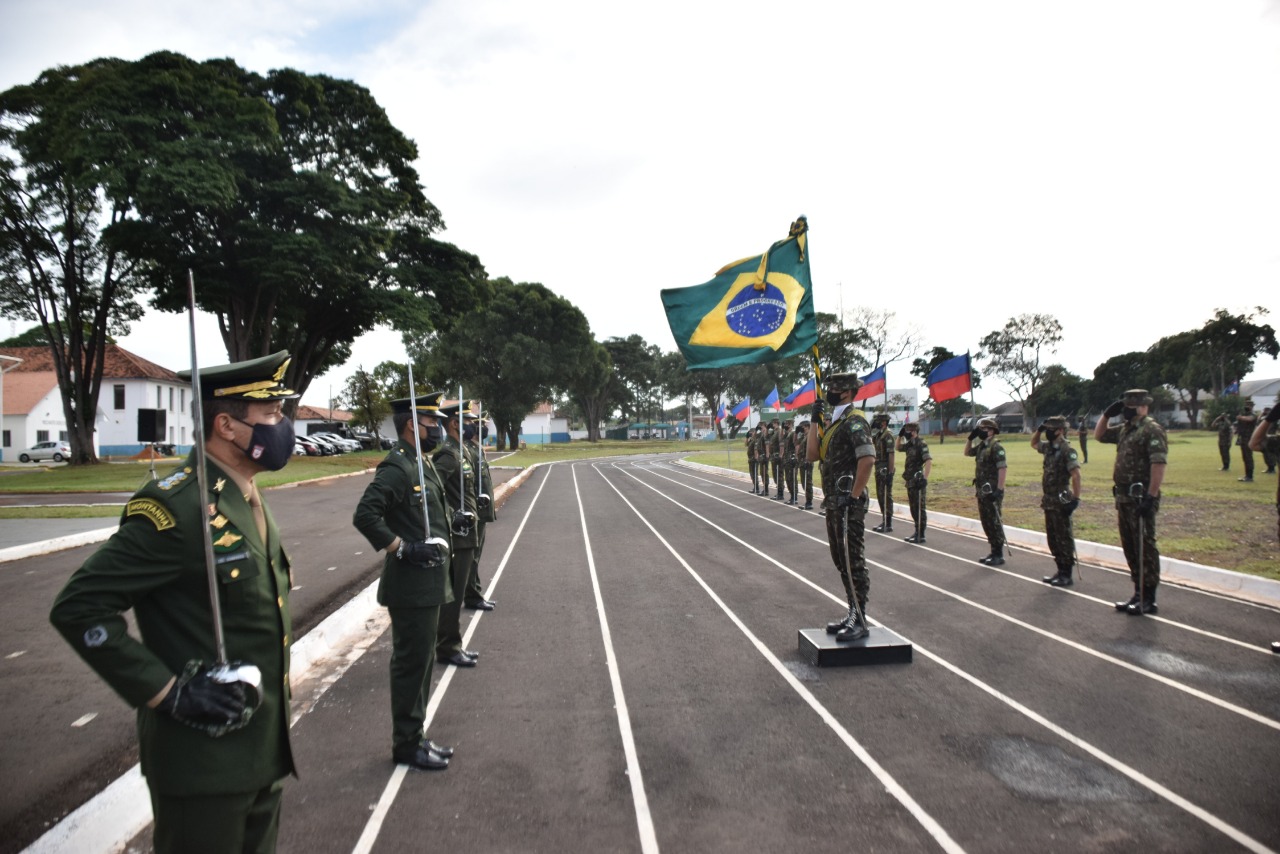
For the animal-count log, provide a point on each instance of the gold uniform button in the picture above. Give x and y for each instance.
(235, 573)
(279, 601)
(286, 640)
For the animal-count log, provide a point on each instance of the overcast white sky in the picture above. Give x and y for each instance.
(1115, 163)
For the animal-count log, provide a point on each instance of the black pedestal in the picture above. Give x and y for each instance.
(880, 647)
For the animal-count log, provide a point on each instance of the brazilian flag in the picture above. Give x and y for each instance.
(759, 309)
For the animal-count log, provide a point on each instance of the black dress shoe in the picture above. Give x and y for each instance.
(458, 659)
(482, 605)
(1146, 606)
(421, 757)
(471, 654)
(991, 560)
(1124, 606)
(1061, 581)
(438, 749)
(1275, 646)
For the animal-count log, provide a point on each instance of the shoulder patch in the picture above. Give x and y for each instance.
(152, 510)
(174, 479)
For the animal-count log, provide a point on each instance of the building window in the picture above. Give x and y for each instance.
(42, 435)
(7, 441)
(62, 435)
(182, 399)
(159, 398)
(118, 392)
(170, 400)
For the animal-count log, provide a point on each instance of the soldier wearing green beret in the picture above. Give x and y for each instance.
(846, 457)
(214, 753)
(474, 433)
(459, 479)
(1061, 487)
(415, 570)
(989, 471)
(1142, 452)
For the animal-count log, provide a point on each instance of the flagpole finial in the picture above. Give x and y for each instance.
(800, 226)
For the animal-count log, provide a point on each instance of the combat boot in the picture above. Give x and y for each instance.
(996, 558)
(856, 629)
(836, 625)
(808, 505)
(1146, 606)
(883, 528)
(918, 539)
(1132, 601)
(1063, 578)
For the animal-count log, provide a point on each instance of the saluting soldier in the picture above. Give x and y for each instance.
(1142, 452)
(213, 762)
(789, 460)
(458, 477)
(988, 480)
(917, 463)
(804, 466)
(1245, 422)
(474, 434)
(1061, 485)
(883, 439)
(1225, 431)
(752, 465)
(846, 457)
(415, 570)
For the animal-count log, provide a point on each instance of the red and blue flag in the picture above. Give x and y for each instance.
(802, 396)
(950, 379)
(743, 411)
(872, 384)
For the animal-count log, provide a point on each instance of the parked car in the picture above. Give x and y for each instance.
(56, 451)
(326, 447)
(309, 447)
(341, 441)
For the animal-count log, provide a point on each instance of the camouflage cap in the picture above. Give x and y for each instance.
(880, 417)
(842, 382)
(989, 422)
(1137, 397)
(1248, 404)
(1056, 422)
(911, 425)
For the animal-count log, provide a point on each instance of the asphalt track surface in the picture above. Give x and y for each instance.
(640, 689)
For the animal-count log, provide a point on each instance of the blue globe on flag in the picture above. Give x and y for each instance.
(753, 313)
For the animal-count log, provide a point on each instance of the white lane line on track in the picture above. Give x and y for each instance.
(371, 829)
(892, 786)
(1251, 646)
(644, 820)
(1132, 773)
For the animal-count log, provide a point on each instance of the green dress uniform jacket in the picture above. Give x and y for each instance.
(460, 491)
(155, 564)
(392, 507)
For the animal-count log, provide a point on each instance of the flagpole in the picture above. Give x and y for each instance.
(968, 364)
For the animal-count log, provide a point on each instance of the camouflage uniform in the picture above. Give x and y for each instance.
(1139, 444)
(989, 458)
(1271, 445)
(762, 459)
(840, 447)
(1083, 435)
(789, 461)
(883, 440)
(1245, 423)
(774, 439)
(750, 444)
(1057, 501)
(804, 468)
(1225, 430)
(914, 455)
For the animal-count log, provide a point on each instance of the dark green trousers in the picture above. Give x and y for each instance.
(475, 589)
(218, 824)
(449, 632)
(1136, 528)
(1060, 533)
(413, 640)
(989, 513)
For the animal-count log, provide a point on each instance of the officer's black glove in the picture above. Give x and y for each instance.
(1147, 504)
(197, 700)
(420, 553)
(975, 433)
(1071, 506)
(1114, 409)
(902, 433)
(997, 494)
(1274, 415)
(816, 410)
(483, 501)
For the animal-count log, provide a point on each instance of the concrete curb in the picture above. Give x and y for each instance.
(107, 822)
(1238, 585)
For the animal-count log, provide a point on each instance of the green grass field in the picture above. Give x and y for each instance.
(1206, 516)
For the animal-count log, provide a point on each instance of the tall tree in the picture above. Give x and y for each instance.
(589, 389)
(635, 374)
(1116, 375)
(841, 347)
(83, 150)
(1182, 363)
(1060, 392)
(368, 401)
(884, 340)
(1015, 355)
(515, 352)
(1233, 341)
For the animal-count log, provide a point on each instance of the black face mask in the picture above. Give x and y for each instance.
(429, 437)
(832, 398)
(271, 445)
(469, 432)
(1128, 412)
(1050, 435)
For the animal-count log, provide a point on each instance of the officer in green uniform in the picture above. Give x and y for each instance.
(882, 437)
(473, 435)
(988, 480)
(1061, 485)
(1142, 452)
(846, 458)
(1225, 430)
(916, 466)
(213, 762)
(459, 479)
(788, 443)
(804, 467)
(415, 570)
